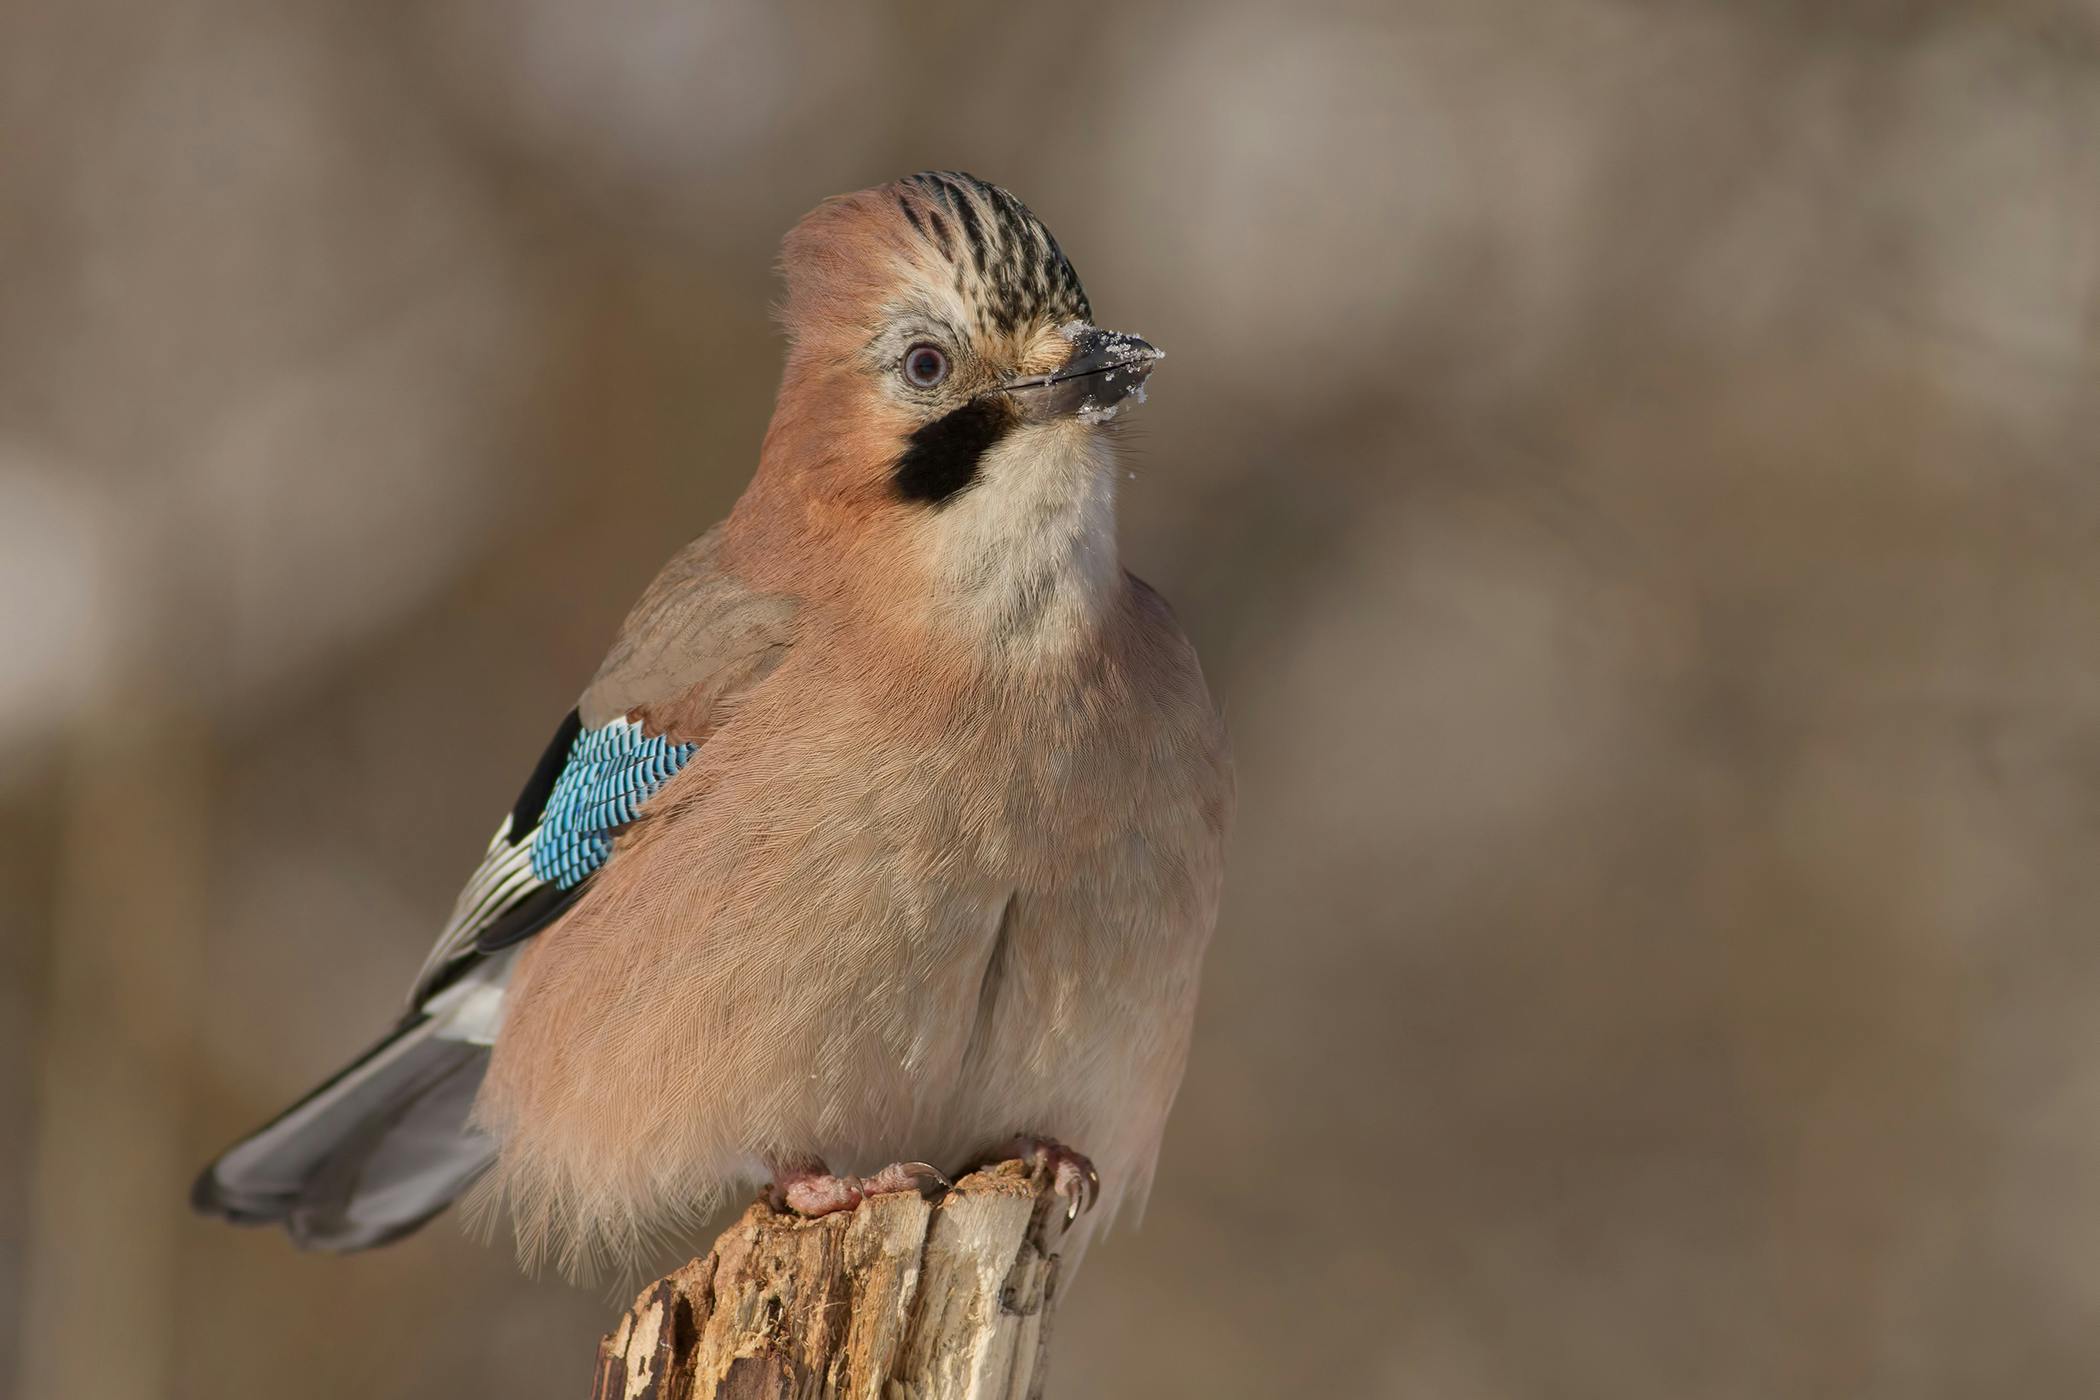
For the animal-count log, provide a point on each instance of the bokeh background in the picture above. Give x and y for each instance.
(1629, 466)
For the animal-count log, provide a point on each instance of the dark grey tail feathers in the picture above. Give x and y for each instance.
(369, 1156)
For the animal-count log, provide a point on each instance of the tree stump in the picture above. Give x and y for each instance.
(898, 1299)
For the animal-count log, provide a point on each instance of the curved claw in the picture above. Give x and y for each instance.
(923, 1177)
(808, 1189)
(1070, 1174)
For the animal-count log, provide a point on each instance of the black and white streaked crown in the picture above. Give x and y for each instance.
(1006, 262)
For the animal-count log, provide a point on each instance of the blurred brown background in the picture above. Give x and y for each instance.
(1629, 466)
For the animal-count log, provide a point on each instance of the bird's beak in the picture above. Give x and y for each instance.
(1104, 368)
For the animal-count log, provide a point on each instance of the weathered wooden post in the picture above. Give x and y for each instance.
(898, 1299)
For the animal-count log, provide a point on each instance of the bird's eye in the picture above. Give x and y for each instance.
(925, 366)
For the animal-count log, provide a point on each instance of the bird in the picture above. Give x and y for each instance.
(886, 842)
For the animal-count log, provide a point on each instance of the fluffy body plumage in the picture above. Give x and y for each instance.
(940, 855)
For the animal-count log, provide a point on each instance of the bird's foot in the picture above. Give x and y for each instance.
(809, 1189)
(928, 1180)
(1071, 1174)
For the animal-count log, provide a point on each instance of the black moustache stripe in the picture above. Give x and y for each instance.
(943, 459)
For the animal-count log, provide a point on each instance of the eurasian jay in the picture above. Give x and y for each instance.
(887, 840)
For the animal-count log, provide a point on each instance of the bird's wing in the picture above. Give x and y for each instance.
(696, 641)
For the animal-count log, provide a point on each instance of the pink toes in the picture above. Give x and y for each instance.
(1071, 1174)
(811, 1190)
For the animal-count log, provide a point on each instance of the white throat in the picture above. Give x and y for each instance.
(1027, 555)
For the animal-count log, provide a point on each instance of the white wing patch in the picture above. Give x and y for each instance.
(501, 880)
(605, 776)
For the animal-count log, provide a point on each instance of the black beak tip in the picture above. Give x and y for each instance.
(1095, 350)
(1104, 369)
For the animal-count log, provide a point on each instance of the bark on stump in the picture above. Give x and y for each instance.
(898, 1299)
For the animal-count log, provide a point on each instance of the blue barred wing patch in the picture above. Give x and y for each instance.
(611, 772)
(589, 784)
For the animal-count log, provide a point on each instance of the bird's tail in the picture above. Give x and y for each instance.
(376, 1151)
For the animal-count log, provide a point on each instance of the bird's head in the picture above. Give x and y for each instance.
(947, 395)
